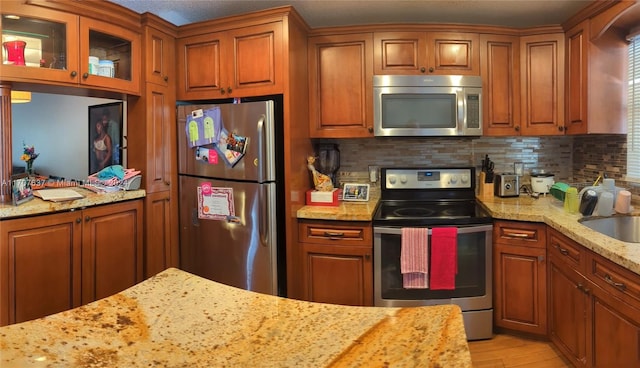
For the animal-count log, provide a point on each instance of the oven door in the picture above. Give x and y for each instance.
(473, 289)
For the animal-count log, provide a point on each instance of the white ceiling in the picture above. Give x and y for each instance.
(326, 13)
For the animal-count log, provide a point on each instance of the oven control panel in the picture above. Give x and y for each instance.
(458, 178)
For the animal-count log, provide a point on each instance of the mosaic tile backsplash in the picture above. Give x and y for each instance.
(576, 160)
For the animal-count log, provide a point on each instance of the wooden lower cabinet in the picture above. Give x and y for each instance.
(161, 242)
(337, 262)
(593, 323)
(520, 276)
(56, 262)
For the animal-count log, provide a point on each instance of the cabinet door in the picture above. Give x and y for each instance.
(160, 158)
(453, 53)
(500, 61)
(341, 86)
(400, 53)
(616, 332)
(542, 92)
(161, 248)
(255, 64)
(576, 103)
(568, 303)
(40, 259)
(109, 42)
(520, 292)
(199, 67)
(51, 38)
(112, 256)
(338, 274)
(159, 57)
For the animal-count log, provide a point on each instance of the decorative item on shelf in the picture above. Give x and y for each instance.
(15, 52)
(28, 156)
(20, 96)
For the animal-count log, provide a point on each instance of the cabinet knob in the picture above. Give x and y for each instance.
(561, 128)
(167, 182)
(367, 257)
(370, 129)
(166, 78)
(431, 70)
(78, 220)
(517, 128)
(85, 75)
(74, 74)
(229, 90)
(222, 91)
(87, 218)
(423, 69)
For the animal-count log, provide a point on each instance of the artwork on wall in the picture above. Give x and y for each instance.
(105, 136)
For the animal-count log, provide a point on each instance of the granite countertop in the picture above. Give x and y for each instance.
(345, 211)
(38, 206)
(179, 319)
(550, 211)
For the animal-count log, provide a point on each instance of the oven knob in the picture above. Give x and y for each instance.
(454, 179)
(392, 179)
(403, 179)
(464, 179)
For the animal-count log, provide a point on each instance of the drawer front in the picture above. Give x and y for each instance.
(526, 234)
(566, 249)
(335, 233)
(615, 279)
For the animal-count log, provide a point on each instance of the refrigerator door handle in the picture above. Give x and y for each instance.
(263, 226)
(261, 162)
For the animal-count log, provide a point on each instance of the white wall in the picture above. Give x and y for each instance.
(58, 128)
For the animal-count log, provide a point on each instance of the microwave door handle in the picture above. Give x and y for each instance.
(462, 101)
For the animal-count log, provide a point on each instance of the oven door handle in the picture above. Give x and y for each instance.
(461, 230)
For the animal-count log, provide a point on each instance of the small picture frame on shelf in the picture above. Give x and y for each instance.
(21, 191)
(355, 192)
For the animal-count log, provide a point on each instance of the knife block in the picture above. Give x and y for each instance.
(484, 189)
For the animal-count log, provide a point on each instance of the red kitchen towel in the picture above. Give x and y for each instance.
(444, 258)
(414, 258)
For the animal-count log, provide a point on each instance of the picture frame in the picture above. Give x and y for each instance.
(103, 151)
(21, 190)
(355, 192)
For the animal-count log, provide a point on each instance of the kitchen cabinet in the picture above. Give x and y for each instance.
(542, 84)
(596, 79)
(426, 53)
(155, 145)
(341, 85)
(239, 62)
(520, 276)
(57, 262)
(59, 45)
(337, 262)
(594, 310)
(500, 71)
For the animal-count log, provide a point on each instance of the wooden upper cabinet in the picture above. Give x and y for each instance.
(159, 57)
(596, 69)
(241, 62)
(542, 93)
(60, 45)
(426, 53)
(500, 71)
(341, 86)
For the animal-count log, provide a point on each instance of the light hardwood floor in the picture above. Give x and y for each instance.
(514, 351)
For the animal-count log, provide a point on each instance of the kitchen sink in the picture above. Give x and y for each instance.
(625, 228)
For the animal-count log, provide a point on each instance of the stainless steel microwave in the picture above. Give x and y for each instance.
(441, 105)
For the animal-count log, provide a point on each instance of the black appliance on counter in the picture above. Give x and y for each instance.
(428, 198)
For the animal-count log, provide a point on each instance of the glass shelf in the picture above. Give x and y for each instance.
(45, 41)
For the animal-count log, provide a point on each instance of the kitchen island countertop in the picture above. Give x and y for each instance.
(179, 319)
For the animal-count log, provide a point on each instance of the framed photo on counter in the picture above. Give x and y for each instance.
(105, 136)
(21, 190)
(355, 192)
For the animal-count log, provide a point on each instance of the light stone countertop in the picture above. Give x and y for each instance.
(177, 319)
(345, 211)
(550, 211)
(38, 206)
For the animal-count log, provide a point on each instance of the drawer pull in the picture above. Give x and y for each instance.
(610, 281)
(563, 251)
(582, 288)
(519, 235)
(331, 234)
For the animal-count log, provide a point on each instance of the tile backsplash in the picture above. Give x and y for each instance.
(571, 159)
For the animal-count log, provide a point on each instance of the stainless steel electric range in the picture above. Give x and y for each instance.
(429, 198)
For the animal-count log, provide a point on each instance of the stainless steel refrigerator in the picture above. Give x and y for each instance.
(229, 210)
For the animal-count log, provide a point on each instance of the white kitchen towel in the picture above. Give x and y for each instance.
(414, 258)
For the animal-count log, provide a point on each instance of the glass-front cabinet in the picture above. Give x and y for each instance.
(41, 45)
